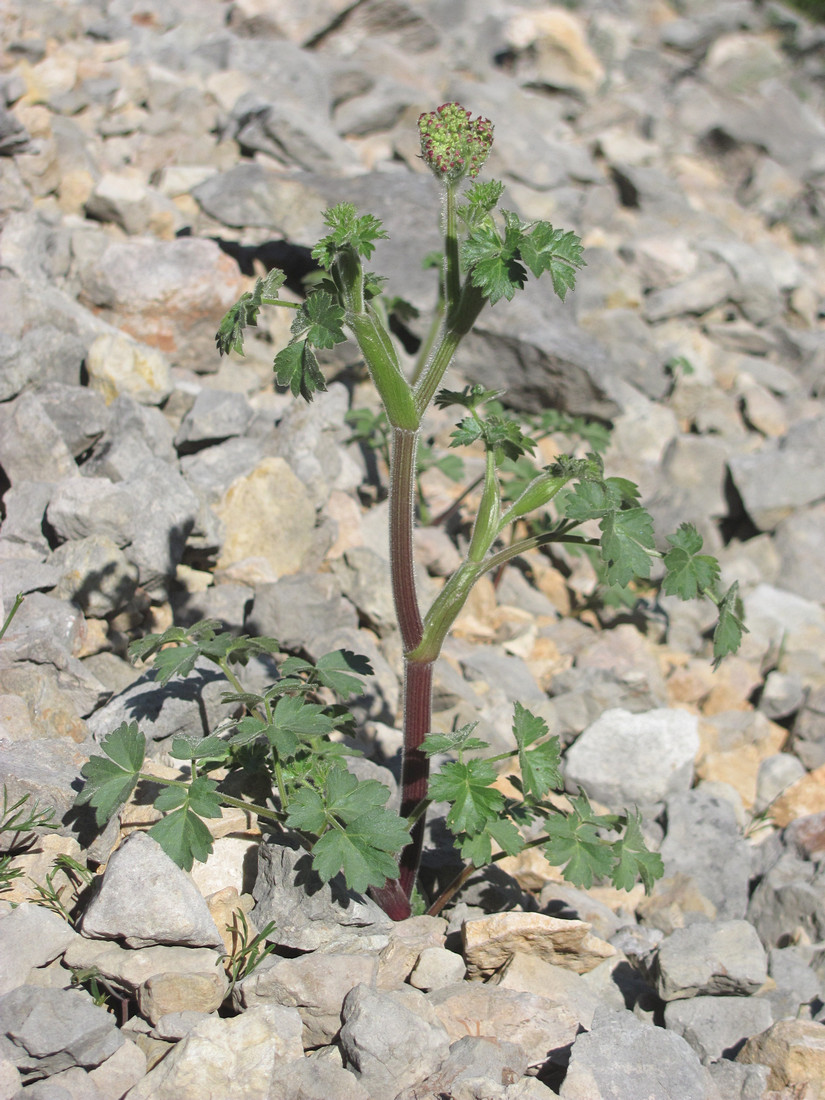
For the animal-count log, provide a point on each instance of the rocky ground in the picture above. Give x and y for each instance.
(155, 157)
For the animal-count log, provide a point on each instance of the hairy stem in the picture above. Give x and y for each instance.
(402, 501)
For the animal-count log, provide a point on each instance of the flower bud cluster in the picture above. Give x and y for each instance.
(453, 143)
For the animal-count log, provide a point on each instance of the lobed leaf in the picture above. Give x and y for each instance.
(689, 573)
(111, 779)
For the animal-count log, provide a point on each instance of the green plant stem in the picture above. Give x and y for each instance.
(452, 270)
(402, 502)
(18, 599)
(226, 799)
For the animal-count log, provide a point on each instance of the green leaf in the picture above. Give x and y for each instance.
(634, 860)
(176, 660)
(481, 200)
(468, 398)
(727, 637)
(455, 741)
(307, 811)
(229, 336)
(109, 782)
(553, 250)
(575, 846)
(689, 573)
(506, 835)
(297, 368)
(468, 787)
(627, 540)
(342, 671)
(347, 228)
(198, 748)
(319, 321)
(540, 766)
(493, 263)
(304, 719)
(363, 850)
(183, 836)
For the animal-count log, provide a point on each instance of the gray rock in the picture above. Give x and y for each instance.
(290, 133)
(10, 1080)
(625, 1059)
(791, 896)
(740, 1082)
(809, 729)
(215, 415)
(547, 361)
(797, 540)
(239, 1056)
(301, 610)
(710, 959)
(30, 936)
(309, 914)
(473, 1059)
(703, 841)
(391, 1040)
(94, 574)
(212, 470)
(316, 984)
(717, 1027)
(144, 898)
(365, 582)
(80, 415)
(315, 1079)
(756, 289)
(783, 475)
(136, 433)
(31, 446)
(782, 695)
(189, 707)
(696, 295)
(625, 758)
(49, 1030)
(797, 986)
(776, 773)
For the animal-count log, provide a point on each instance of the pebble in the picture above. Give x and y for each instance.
(150, 166)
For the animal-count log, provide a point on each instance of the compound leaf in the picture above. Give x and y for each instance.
(183, 836)
(627, 539)
(229, 336)
(343, 671)
(297, 368)
(553, 250)
(362, 850)
(689, 573)
(634, 860)
(727, 637)
(111, 779)
(540, 766)
(467, 785)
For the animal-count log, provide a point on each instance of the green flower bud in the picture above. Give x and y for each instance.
(453, 143)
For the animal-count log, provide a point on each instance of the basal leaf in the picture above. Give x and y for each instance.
(178, 660)
(306, 811)
(343, 671)
(111, 779)
(354, 851)
(183, 836)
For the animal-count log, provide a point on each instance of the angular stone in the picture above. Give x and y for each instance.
(31, 446)
(168, 294)
(391, 1039)
(788, 900)
(489, 942)
(30, 936)
(409, 939)
(95, 574)
(793, 1049)
(119, 367)
(625, 758)
(782, 475)
(316, 984)
(50, 1030)
(267, 515)
(145, 898)
(226, 1057)
(474, 1063)
(716, 1027)
(703, 841)
(436, 968)
(216, 415)
(190, 992)
(709, 959)
(527, 973)
(316, 1079)
(540, 1027)
(626, 1059)
(309, 914)
(130, 968)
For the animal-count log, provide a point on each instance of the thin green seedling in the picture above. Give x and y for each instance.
(62, 897)
(248, 951)
(291, 736)
(18, 599)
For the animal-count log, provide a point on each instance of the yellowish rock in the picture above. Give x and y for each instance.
(118, 366)
(558, 41)
(795, 1052)
(267, 514)
(732, 751)
(164, 993)
(489, 942)
(806, 796)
